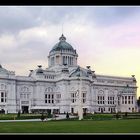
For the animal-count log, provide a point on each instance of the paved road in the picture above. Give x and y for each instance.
(36, 120)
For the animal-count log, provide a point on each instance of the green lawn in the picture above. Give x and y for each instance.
(22, 116)
(107, 126)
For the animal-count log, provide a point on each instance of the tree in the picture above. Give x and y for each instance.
(42, 117)
(117, 116)
(67, 115)
(18, 115)
(138, 101)
(125, 114)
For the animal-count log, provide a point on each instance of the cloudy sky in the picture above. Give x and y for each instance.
(106, 38)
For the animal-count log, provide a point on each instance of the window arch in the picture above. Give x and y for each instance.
(83, 89)
(49, 89)
(111, 97)
(24, 93)
(3, 87)
(101, 97)
(24, 89)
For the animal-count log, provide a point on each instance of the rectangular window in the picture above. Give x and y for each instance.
(84, 100)
(118, 100)
(74, 96)
(125, 99)
(2, 99)
(110, 100)
(49, 98)
(73, 100)
(100, 99)
(2, 94)
(84, 97)
(122, 100)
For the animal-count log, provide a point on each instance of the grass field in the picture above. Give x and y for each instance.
(107, 126)
(22, 116)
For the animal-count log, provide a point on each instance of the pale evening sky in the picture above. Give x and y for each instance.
(106, 37)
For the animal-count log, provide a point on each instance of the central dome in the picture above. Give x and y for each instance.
(62, 54)
(62, 45)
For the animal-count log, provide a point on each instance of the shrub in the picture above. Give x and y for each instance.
(42, 117)
(67, 115)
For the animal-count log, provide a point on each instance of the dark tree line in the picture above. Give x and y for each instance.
(138, 102)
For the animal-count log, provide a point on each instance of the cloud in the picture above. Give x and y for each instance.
(105, 16)
(13, 19)
(107, 38)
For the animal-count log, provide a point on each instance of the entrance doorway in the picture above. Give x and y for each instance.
(72, 110)
(25, 109)
(84, 111)
(102, 110)
(48, 111)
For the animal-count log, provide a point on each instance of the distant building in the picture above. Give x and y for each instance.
(56, 87)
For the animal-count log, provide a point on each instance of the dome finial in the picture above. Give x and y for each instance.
(62, 28)
(62, 38)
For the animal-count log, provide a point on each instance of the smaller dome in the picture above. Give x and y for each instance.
(2, 70)
(39, 70)
(62, 45)
(79, 72)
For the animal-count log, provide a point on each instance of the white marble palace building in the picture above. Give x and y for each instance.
(56, 88)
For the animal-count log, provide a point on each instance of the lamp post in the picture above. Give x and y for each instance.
(80, 109)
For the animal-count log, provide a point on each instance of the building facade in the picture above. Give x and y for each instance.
(57, 87)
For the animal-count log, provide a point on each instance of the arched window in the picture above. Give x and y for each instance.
(111, 97)
(24, 93)
(101, 98)
(84, 94)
